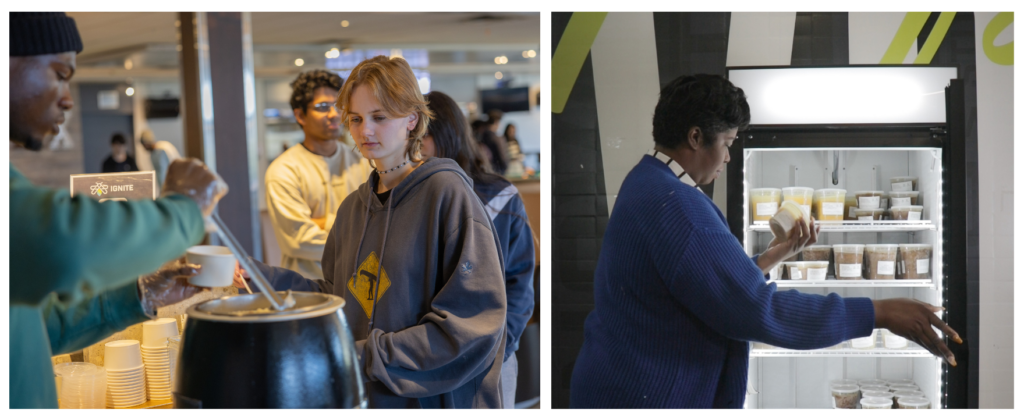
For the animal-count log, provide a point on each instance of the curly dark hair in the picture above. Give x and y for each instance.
(707, 101)
(307, 82)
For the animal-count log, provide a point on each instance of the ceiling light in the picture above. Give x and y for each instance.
(526, 54)
(299, 62)
(128, 64)
(344, 24)
(130, 91)
(497, 75)
(531, 53)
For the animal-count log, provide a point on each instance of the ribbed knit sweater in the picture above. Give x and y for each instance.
(676, 301)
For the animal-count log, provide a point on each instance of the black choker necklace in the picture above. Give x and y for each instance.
(389, 170)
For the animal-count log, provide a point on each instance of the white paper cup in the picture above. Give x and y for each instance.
(218, 265)
(122, 355)
(155, 333)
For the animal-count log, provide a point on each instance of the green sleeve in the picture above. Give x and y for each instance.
(66, 245)
(91, 319)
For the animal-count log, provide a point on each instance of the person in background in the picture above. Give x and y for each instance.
(448, 137)
(677, 301)
(415, 256)
(307, 183)
(119, 159)
(514, 152)
(161, 153)
(495, 145)
(78, 267)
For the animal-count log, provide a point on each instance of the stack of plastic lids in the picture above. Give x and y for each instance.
(81, 385)
(174, 350)
(156, 356)
(126, 375)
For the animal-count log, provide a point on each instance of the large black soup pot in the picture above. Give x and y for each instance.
(238, 353)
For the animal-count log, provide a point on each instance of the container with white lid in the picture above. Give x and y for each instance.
(906, 212)
(874, 388)
(919, 403)
(829, 203)
(903, 183)
(848, 261)
(900, 382)
(915, 261)
(846, 396)
(881, 261)
(869, 200)
(876, 403)
(904, 198)
(893, 341)
(864, 382)
(764, 203)
(881, 394)
(866, 343)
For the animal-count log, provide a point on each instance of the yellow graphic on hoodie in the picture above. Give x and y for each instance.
(363, 283)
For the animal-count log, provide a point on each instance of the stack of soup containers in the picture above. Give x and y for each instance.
(126, 376)
(81, 385)
(157, 356)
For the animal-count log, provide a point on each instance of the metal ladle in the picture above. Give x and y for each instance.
(276, 301)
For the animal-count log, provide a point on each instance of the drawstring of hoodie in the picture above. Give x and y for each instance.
(380, 266)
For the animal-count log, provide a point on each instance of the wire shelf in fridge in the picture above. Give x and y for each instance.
(861, 226)
(853, 283)
(841, 350)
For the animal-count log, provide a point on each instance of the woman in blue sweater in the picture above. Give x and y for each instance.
(676, 299)
(448, 137)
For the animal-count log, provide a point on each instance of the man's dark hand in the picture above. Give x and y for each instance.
(913, 320)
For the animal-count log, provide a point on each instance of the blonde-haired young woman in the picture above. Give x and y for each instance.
(414, 255)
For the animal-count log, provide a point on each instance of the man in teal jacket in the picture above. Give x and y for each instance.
(75, 263)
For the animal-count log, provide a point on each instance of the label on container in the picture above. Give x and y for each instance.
(849, 270)
(773, 274)
(853, 213)
(885, 203)
(914, 215)
(832, 209)
(886, 268)
(923, 265)
(902, 268)
(869, 203)
(816, 273)
(900, 201)
(866, 218)
(795, 274)
(903, 186)
(893, 341)
(806, 208)
(767, 209)
(864, 342)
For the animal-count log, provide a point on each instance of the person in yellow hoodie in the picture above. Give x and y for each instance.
(306, 184)
(77, 266)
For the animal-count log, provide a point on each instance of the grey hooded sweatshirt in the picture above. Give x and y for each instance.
(428, 259)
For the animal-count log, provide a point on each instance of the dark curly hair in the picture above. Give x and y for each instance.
(707, 101)
(308, 82)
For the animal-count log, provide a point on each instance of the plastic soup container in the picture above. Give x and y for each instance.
(801, 196)
(846, 396)
(915, 262)
(919, 403)
(867, 215)
(788, 215)
(869, 200)
(903, 183)
(829, 203)
(875, 403)
(764, 203)
(904, 198)
(819, 253)
(881, 261)
(849, 259)
(906, 212)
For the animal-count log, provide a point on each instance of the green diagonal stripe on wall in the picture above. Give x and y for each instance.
(905, 37)
(571, 53)
(935, 38)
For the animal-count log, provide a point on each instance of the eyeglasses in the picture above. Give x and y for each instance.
(324, 107)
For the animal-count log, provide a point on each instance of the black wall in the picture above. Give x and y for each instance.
(580, 217)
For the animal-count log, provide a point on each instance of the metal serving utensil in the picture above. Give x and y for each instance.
(276, 301)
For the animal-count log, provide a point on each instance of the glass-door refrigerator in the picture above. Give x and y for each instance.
(875, 154)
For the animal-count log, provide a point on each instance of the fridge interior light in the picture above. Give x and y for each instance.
(845, 95)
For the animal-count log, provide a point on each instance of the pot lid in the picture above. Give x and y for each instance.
(256, 308)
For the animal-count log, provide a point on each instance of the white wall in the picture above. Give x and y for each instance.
(995, 208)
